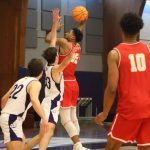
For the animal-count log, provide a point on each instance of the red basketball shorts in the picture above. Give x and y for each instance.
(129, 130)
(71, 93)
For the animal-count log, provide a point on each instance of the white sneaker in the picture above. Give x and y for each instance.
(78, 146)
(84, 148)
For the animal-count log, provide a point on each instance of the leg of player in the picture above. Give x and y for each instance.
(23, 142)
(75, 119)
(73, 132)
(42, 138)
(14, 145)
(32, 143)
(47, 137)
(65, 115)
(113, 144)
(11, 126)
(35, 140)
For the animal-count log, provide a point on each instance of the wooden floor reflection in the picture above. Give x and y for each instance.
(92, 136)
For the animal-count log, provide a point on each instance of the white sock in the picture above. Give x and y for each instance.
(77, 145)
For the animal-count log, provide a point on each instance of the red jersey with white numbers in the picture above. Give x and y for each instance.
(70, 69)
(134, 80)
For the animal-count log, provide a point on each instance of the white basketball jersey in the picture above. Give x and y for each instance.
(19, 102)
(53, 89)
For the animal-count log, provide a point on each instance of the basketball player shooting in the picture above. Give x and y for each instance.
(54, 87)
(71, 90)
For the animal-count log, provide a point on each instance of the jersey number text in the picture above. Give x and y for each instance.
(16, 90)
(138, 62)
(48, 83)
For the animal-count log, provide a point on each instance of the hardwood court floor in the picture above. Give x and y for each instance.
(125, 148)
(122, 148)
(90, 133)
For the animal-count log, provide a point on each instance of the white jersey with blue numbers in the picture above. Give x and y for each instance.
(53, 89)
(19, 102)
(53, 96)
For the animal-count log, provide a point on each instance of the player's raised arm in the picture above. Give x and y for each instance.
(51, 37)
(59, 68)
(82, 25)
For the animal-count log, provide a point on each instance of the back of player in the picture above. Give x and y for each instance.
(134, 80)
(70, 83)
(53, 95)
(14, 112)
(18, 104)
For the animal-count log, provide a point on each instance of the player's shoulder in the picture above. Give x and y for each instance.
(113, 53)
(34, 83)
(65, 48)
(61, 40)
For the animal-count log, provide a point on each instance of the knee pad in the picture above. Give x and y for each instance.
(67, 122)
(65, 116)
(73, 114)
(75, 119)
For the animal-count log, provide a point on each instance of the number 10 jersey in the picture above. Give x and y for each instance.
(134, 80)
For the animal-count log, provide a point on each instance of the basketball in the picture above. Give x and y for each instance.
(79, 13)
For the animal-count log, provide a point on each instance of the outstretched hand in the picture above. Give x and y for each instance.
(57, 19)
(100, 118)
(84, 21)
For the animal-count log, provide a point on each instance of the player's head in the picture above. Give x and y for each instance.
(51, 55)
(74, 35)
(35, 67)
(131, 23)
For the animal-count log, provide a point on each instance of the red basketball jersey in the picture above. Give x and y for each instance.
(70, 69)
(134, 80)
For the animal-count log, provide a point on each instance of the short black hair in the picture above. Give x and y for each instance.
(50, 54)
(78, 34)
(35, 67)
(131, 23)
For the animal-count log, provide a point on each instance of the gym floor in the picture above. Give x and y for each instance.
(92, 136)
